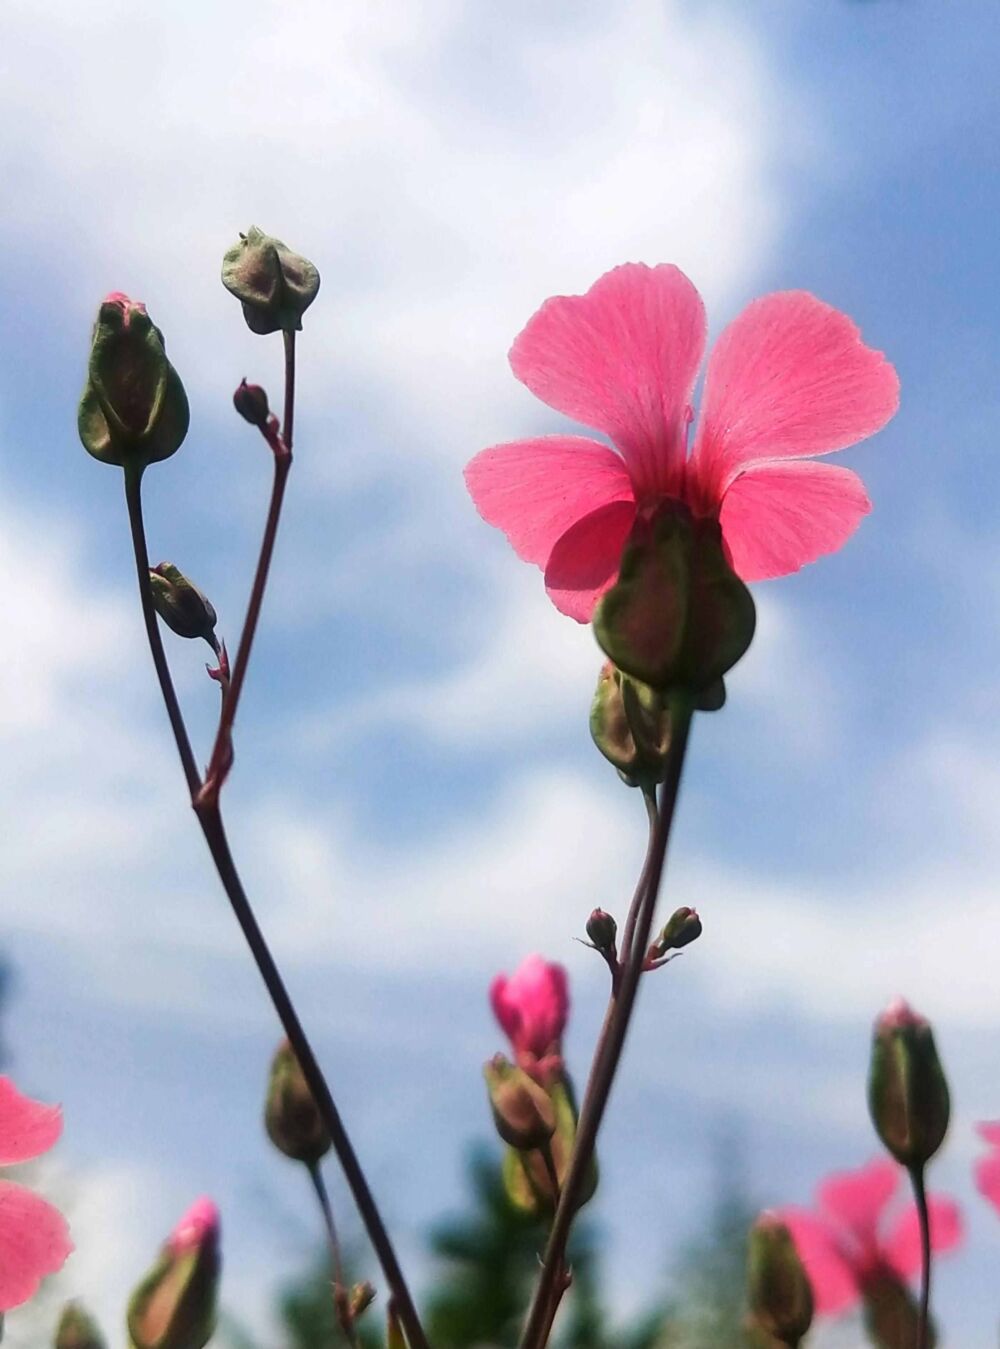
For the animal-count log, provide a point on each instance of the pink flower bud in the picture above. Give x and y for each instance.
(174, 1306)
(532, 1006)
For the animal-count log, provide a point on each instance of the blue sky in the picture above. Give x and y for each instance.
(416, 802)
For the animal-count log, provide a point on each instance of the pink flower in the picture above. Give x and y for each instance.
(845, 1243)
(789, 378)
(532, 1007)
(987, 1170)
(34, 1240)
(199, 1225)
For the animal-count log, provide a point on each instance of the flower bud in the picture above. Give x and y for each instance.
(291, 1116)
(779, 1293)
(682, 928)
(361, 1297)
(182, 606)
(630, 725)
(526, 1175)
(907, 1092)
(134, 409)
(77, 1330)
(174, 1307)
(275, 285)
(678, 617)
(602, 930)
(250, 401)
(522, 1111)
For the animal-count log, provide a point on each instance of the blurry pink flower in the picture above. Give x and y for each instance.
(790, 377)
(34, 1240)
(532, 1006)
(845, 1243)
(987, 1170)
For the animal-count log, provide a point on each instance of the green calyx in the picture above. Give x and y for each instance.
(274, 285)
(181, 605)
(778, 1291)
(291, 1116)
(523, 1111)
(527, 1176)
(678, 617)
(134, 409)
(908, 1093)
(174, 1307)
(77, 1330)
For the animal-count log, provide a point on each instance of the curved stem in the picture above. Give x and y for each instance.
(609, 1050)
(340, 1295)
(923, 1214)
(133, 499)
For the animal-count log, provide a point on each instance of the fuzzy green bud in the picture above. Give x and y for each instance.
(174, 1307)
(522, 1111)
(181, 605)
(274, 285)
(682, 927)
(907, 1091)
(291, 1116)
(77, 1330)
(778, 1290)
(134, 409)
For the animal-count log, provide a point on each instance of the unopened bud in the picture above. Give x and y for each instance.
(181, 605)
(291, 1116)
(134, 409)
(522, 1111)
(778, 1290)
(250, 401)
(77, 1330)
(361, 1297)
(275, 285)
(907, 1092)
(174, 1307)
(682, 927)
(678, 617)
(602, 930)
(630, 725)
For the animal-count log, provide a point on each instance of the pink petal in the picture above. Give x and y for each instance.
(534, 490)
(27, 1128)
(504, 1008)
(622, 358)
(532, 1005)
(585, 561)
(834, 1281)
(990, 1131)
(901, 1250)
(987, 1174)
(777, 517)
(855, 1199)
(790, 376)
(34, 1242)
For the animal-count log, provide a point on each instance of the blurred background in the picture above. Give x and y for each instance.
(416, 802)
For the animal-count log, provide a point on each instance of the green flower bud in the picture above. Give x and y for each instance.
(291, 1116)
(174, 1307)
(524, 1115)
(630, 726)
(891, 1315)
(182, 606)
(134, 409)
(526, 1176)
(778, 1291)
(77, 1330)
(678, 617)
(602, 930)
(907, 1092)
(682, 928)
(250, 401)
(275, 285)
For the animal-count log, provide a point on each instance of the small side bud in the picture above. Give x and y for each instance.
(250, 401)
(134, 409)
(681, 929)
(181, 605)
(602, 931)
(522, 1111)
(361, 1297)
(77, 1330)
(174, 1307)
(291, 1116)
(274, 285)
(907, 1091)
(630, 725)
(778, 1290)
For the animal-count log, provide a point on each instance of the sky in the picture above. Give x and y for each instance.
(416, 803)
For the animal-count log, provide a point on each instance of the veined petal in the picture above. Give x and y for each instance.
(623, 358)
(585, 561)
(534, 490)
(27, 1128)
(778, 516)
(834, 1281)
(901, 1251)
(34, 1242)
(790, 377)
(855, 1199)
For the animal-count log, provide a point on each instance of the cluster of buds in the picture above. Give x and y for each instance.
(174, 1307)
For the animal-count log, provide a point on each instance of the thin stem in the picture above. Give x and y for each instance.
(649, 799)
(340, 1297)
(289, 409)
(609, 1050)
(920, 1195)
(215, 836)
(133, 498)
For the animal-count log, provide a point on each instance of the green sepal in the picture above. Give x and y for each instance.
(525, 1175)
(274, 285)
